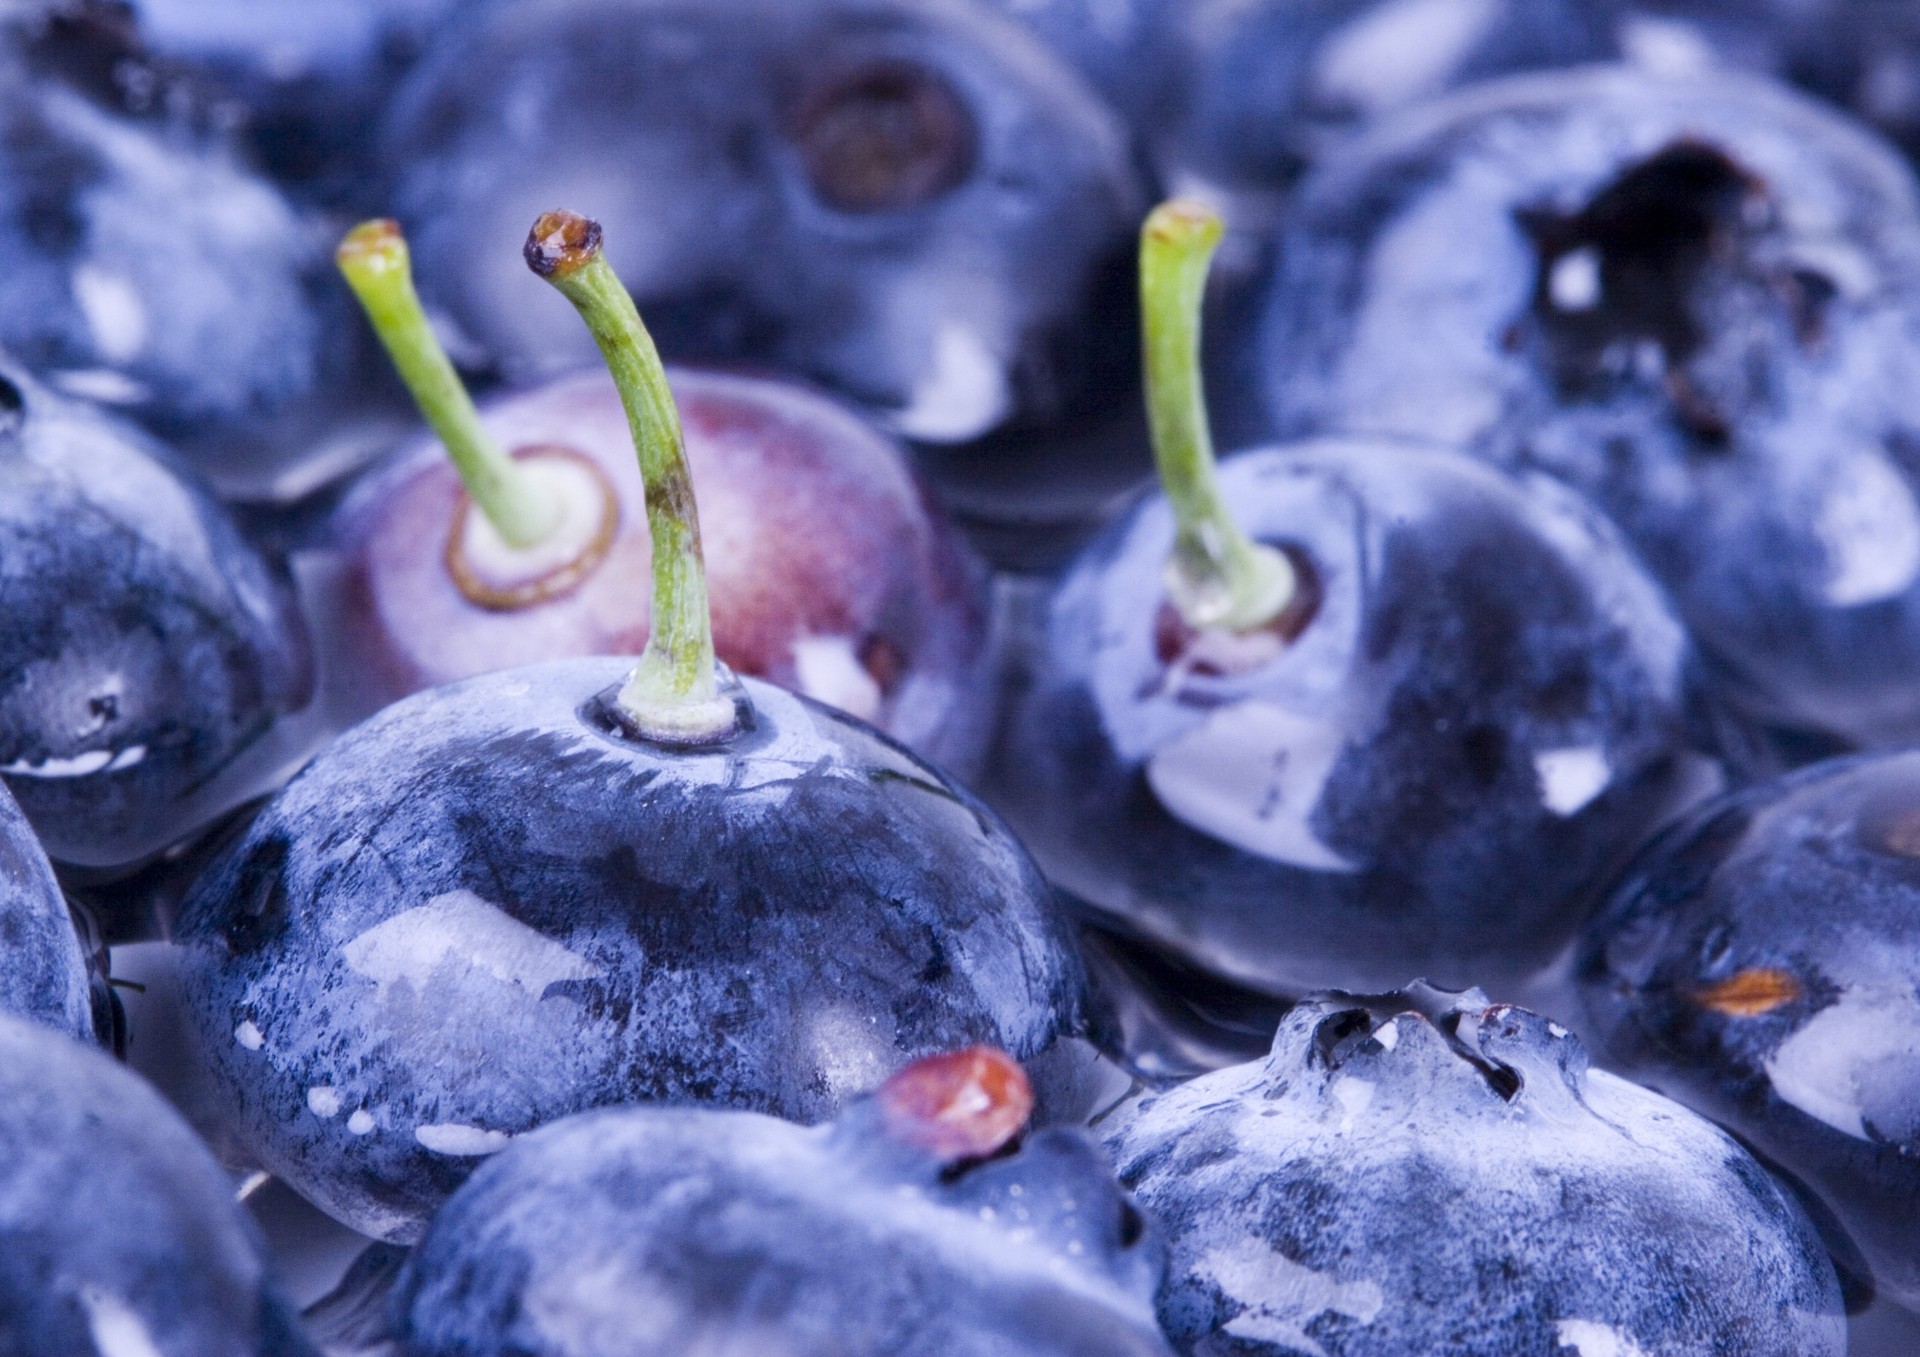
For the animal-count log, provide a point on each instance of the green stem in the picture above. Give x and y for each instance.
(374, 258)
(1217, 576)
(674, 692)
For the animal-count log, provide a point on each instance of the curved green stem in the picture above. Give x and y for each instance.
(674, 692)
(1217, 576)
(374, 258)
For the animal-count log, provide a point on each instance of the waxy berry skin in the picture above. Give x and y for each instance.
(830, 570)
(1424, 1173)
(1697, 301)
(43, 971)
(909, 203)
(1761, 963)
(118, 1231)
(652, 1232)
(481, 910)
(1274, 86)
(1478, 719)
(1121, 47)
(145, 644)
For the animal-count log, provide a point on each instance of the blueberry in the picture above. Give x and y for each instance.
(1420, 1172)
(588, 882)
(640, 1231)
(118, 1233)
(1761, 963)
(1432, 761)
(1696, 301)
(43, 972)
(147, 646)
(910, 204)
(150, 269)
(484, 909)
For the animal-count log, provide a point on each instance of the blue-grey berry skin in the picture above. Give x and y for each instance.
(1699, 302)
(119, 1234)
(1271, 87)
(1120, 47)
(909, 202)
(1761, 963)
(1479, 719)
(1412, 1175)
(144, 644)
(479, 911)
(43, 971)
(655, 1232)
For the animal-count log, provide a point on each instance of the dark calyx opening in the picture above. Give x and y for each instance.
(1637, 284)
(13, 404)
(1353, 1018)
(883, 136)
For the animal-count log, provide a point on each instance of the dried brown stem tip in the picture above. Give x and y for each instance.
(561, 242)
(965, 1105)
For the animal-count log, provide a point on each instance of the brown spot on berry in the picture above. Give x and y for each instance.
(963, 1105)
(1750, 993)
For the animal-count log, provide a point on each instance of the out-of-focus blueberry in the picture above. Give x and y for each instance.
(1469, 717)
(1761, 963)
(152, 271)
(309, 79)
(1269, 87)
(830, 569)
(908, 201)
(146, 644)
(1698, 301)
(1423, 1173)
(483, 910)
(653, 1232)
(118, 1233)
(1863, 55)
(1120, 46)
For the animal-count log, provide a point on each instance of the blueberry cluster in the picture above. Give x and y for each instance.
(637, 720)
